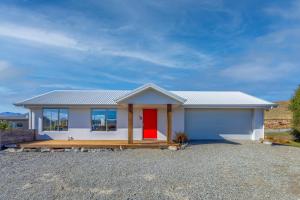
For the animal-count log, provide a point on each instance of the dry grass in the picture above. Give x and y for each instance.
(181, 138)
(284, 138)
(281, 112)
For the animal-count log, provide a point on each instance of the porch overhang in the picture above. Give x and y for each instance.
(150, 94)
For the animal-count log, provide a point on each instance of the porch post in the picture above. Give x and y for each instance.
(169, 123)
(30, 120)
(130, 123)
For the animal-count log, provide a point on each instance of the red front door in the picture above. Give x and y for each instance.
(150, 123)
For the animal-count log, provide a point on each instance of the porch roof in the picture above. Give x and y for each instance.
(153, 87)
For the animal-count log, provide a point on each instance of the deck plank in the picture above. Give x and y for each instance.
(94, 144)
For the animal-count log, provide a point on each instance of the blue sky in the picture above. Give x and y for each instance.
(251, 46)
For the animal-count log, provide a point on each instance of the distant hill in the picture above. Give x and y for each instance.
(11, 114)
(281, 112)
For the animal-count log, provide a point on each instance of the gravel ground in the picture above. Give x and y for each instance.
(202, 171)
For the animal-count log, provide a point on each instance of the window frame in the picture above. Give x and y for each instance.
(106, 119)
(58, 109)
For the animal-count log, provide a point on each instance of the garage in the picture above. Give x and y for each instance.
(218, 124)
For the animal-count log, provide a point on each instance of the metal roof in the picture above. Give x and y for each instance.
(109, 97)
(14, 117)
(76, 97)
(221, 99)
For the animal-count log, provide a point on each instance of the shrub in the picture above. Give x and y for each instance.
(296, 134)
(181, 138)
(295, 108)
(3, 125)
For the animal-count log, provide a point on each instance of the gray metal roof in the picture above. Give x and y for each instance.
(76, 97)
(219, 99)
(109, 97)
(14, 117)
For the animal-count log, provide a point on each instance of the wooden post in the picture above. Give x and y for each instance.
(169, 123)
(130, 123)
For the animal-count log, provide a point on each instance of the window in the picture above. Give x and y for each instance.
(111, 120)
(55, 119)
(98, 120)
(104, 120)
(19, 125)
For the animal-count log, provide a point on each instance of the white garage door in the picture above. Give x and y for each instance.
(218, 123)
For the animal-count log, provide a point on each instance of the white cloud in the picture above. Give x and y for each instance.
(168, 77)
(3, 65)
(161, 53)
(5, 91)
(253, 72)
(181, 57)
(134, 80)
(292, 12)
(285, 36)
(273, 56)
(33, 34)
(8, 71)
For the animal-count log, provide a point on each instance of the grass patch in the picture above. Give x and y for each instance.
(281, 112)
(285, 134)
(294, 144)
(284, 138)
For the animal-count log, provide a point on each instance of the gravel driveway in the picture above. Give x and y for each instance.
(203, 171)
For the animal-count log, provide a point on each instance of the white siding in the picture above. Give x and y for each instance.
(197, 123)
(177, 121)
(258, 124)
(218, 123)
(80, 125)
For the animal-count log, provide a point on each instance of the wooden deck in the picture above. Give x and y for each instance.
(94, 144)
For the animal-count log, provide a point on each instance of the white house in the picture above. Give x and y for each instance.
(148, 112)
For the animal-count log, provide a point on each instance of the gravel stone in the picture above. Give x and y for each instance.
(267, 142)
(183, 146)
(211, 170)
(57, 150)
(29, 150)
(45, 150)
(75, 149)
(173, 148)
(11, 150)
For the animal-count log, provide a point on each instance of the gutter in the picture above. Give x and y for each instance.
(263, 106)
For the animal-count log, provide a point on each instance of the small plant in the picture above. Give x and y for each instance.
(181, 138)
(3, 125)
(296, 134)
